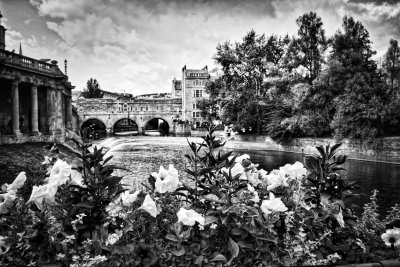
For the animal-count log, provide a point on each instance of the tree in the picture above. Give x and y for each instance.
(362, 110)
(311, 44)
(391, 62)
(210, 106)
(352, 47)
(92, 89)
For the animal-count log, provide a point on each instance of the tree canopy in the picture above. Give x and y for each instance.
(307, 85)
(92, 89)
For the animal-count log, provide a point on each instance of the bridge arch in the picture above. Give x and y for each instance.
(157, 126)
(125, 126)
(97, 127)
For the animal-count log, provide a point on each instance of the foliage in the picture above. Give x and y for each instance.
(227, 213)
(344, 94)
(92, 89)
(391, 63)
(312, 44)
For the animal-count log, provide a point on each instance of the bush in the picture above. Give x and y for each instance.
(228, 213)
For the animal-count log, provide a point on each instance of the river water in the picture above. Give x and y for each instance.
(144, 155)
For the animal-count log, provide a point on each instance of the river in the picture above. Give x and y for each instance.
(144, 155)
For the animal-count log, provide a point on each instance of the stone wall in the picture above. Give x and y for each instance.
(383, 149)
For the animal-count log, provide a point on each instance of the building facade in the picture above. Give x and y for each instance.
(193, 89)
(35, 100)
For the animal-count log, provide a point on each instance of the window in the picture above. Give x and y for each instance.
(147, 108)
(198, 93)
(194, 106)
(196, 114)
(187, 83)
(141, 108)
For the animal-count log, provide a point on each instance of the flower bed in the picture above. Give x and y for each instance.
(228, 213)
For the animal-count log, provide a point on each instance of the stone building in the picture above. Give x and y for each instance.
(145, 114)
(35, 97)
(193, 89)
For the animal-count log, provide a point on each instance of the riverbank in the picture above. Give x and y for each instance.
(28, 157)
(382, 150)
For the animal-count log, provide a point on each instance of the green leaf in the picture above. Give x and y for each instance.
(233, 248)
(333, 149)
(210, 219)
(340, 159)
(321, 151)
(318, 254)
(312, 164)
(198, 260)
(243, 244)
(219, 257)
(179, 253)
(236, 231)
(172, 238)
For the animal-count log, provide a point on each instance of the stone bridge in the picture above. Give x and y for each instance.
(144, 115)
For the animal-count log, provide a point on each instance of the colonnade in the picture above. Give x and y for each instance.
(58, 114)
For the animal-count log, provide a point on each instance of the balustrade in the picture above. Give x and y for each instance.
(27, 62)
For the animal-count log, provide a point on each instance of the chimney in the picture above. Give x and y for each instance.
(65, 67)
(20, 49)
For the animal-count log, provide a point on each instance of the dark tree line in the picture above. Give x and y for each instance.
(92, 89)
(309, 84)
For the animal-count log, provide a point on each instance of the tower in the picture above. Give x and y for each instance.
(2, 35)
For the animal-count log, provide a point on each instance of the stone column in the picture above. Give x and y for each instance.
(35, 110)
(50, 110)
(15, 108)
(141, 130)
(68, 105)
(59, 112)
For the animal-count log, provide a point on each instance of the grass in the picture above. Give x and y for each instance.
(28, 157)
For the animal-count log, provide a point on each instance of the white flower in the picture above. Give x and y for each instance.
(213, 226)
(166, 181)
(295, 170)
(150, 206)
(7, 201)
(18, 182)
(113, 208)
(339, 217)
(237, 169)
(47, 160)
(189, 217)
(275, 179)
(3, 246)
(128, 198)
(392, 237)
(252, 177)
(60, 173)
(59, 256)
(273, 205)
(76, 178)
(262, 173)
(112, 239)
(255, 197)
(45, 192)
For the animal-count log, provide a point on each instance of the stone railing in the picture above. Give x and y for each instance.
(28, 63)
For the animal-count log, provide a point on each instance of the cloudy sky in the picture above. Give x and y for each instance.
(139, 46)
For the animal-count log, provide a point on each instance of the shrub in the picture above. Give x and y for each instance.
(227, 213)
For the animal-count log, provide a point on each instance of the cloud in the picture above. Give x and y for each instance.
(140, 46)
